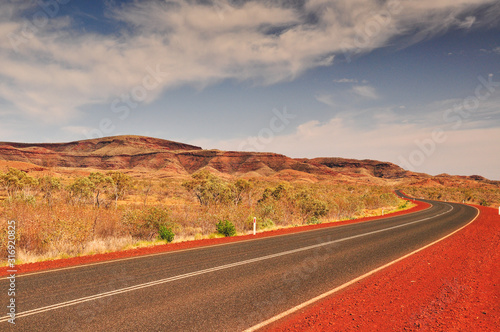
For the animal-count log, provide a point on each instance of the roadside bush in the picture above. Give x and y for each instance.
(155, 217)
(485, 194)
(166, 233)
(403, 204)
(226, 228)
(145, 224)
(313, 221)
(70, 222)
(309, 206)
(266, 223)
(484, 203)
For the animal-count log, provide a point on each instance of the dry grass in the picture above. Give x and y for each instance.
(63, 249)
(486, 196)
(65, 229)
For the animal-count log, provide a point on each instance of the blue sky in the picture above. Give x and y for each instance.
(416, 83)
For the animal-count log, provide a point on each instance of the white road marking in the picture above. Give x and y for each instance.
(353, 281)
(192, 274)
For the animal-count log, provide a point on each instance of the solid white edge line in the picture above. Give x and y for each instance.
(333, 291)
(181, 250)
(213, 269)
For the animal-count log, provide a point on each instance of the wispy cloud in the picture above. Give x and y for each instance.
(365, 91)
(326, 99)
(346, 80)
(59, 70)
(467, 23)
(395, 131)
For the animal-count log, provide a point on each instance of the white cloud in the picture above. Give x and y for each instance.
(346, 80)
(347, 98)
(394, 134)
(365, 91)
(467, 23)
(57, 70)
(326, 99)
(394, 142)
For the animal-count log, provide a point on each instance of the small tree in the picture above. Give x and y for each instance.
(48, 185)
(157, 219)
(209, 189)
(102, 184)
(276, 193)
(146, 188)
(309, 206)
(241, 187)
(16, 180)
(81, 189)
(11, 182)
(156, 216)
(121, 184)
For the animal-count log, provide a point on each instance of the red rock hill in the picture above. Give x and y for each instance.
(134, 152)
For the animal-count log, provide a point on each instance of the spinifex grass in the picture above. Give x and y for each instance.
(84, 219)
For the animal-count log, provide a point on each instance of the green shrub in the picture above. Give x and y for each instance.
(154, 217)
(309, 206)
(226, 228)
(145, 224)
(314, 221)
(267, 223)
(166, 233)
(403, 205)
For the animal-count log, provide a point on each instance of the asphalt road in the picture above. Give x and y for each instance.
(228, 287)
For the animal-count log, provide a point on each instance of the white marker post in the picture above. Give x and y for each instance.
(254, 225)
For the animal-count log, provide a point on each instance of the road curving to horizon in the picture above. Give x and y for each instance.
(229, 287)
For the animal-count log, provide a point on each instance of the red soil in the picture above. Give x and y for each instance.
(450, 286)
(53, 264)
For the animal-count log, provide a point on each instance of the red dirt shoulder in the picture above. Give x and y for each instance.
(450, 286)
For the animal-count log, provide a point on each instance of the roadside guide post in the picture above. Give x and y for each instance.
(254, 225)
